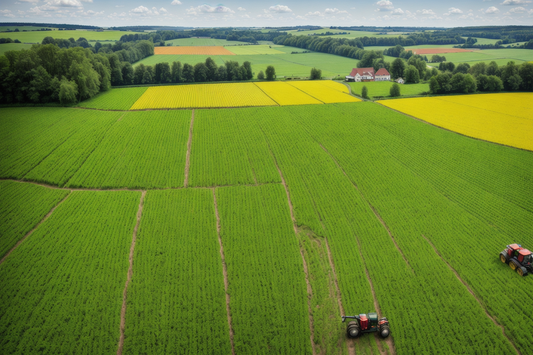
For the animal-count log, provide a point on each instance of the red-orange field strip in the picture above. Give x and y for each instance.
(196, 50)
(440, 50)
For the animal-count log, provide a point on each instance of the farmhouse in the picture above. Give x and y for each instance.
(382, 75)
(361, 74)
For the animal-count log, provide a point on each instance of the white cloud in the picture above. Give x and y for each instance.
(154, 11)
(518, 10)
(141, 10)
(279, 9)
(6, 13)
(398, 12)
(515, 2)
(32, 1)
(175, 2)
(65, 3)
(313, 14)
(208, 9)
(467, 16)
(335, 11)
(241, 9)
(492, 10)
(385, 5)
(425, 12)
(119, 5)
(453, 11)
(163, 10)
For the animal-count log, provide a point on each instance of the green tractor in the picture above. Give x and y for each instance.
(364, 323)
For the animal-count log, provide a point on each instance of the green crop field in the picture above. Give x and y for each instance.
(255, 49)
(285, 64)
(201, 42)
(38, 36)
(114, 99)
(253, 230)
(382, 88)
(4, 47)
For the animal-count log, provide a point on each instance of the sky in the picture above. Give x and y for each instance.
(264, 13)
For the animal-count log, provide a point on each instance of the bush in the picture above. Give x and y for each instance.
(364, 92)
(395, 90)
(261, 75)
(270, 73)
(315, 74)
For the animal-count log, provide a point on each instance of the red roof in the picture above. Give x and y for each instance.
(362, 71)
(382, 71)
(524, 252)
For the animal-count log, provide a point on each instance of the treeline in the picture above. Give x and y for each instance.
(52, 25)
(130, 52)
(47, 73)
(509, 33)
(176, 72)
(340, 46)
(464, 78)
(159, 36)
(8, 40)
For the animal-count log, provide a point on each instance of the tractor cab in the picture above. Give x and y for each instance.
(525, 256)
(513, 249)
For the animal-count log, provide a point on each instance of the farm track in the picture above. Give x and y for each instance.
(33, 229)
(188, 157)
(306, 271)
(473, 294)
(378, 216)
(225, 273)
(130, 274)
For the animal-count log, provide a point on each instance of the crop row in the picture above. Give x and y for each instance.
(417, 208)
(176, 300)
(61, 290)
(229, 149)
(22, 206)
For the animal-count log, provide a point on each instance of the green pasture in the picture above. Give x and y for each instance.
(4, 47)
(38, 36)
(253, 49)
(382, 88)
(194, 41)
(285, 64)
(500, 56)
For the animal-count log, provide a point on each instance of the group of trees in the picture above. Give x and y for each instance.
(412, 71)
(176, 72)
(464, 78)
(8, 40)
(438, 58)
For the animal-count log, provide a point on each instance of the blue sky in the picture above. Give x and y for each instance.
(265, 13)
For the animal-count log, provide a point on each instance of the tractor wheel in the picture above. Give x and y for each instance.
(512, 265)
(521, 271)
(504, 258)
(353, 329)
(384, 331)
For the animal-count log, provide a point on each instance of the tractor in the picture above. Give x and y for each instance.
(367, 323)
(518, 258)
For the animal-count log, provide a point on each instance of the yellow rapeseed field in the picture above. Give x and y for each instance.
(203, 95)
(500, 118)
(286, 94)
(325, 91)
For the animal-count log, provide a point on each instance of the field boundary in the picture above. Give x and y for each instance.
(225, 273)
(263, 91)
(472, 293)
(130, 274)
(34, 228)
(308, 94)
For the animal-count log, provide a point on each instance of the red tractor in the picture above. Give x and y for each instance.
(364, 323)
(518, 258)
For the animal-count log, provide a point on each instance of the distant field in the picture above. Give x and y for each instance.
(201, 42)
(488, 55)
(382, 88)
(500, 118)
(484, 40)
(251, 50)
(13, 47)
(351, 34)
(192, 50)
(115, 99)
(243, 95)
(299, 65)
(437, 50)
(38, 36)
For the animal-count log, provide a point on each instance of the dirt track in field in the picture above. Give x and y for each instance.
(130, 274)
(472, 293)
(225, 272)
(193, 50)
(33, 229)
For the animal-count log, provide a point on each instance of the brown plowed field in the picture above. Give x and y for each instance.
(198, 50)
(440, 50)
